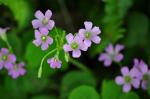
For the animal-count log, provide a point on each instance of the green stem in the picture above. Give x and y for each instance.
(9, 46)
(42, 61)
(80, 65)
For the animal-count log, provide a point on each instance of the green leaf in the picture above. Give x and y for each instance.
(130, 95)
(21, 10)
(110, 90)
(84, 92)
(74, 79)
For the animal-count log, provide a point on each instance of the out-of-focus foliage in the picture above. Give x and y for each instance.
(74, 79)
(115, 11)
(84, 92)
(112, 91)
(21, 10)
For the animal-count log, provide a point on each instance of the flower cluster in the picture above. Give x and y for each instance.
(138, 75)
(42, 25)
(8, 61)
(75, 43)
(82, 40)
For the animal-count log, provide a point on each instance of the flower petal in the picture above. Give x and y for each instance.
(110, 49)
(36, 23)
(48, 14)
(8, 65)
(37, 34)
(50, 25)
(39, 15)
(44, 46)
(82, 33)
(125, 71)
(96, 39)
(107, 62)
(88, 25)
(83, 47)
(67, 48)
(96, 30)
(126, 87)
(118, 57)
(118, 48)
(49, 40)
(76, 53)
(69, 38)
(119, 80)
(136, 83)
(44, 31)
(11, 58)
(87, 43)
(4, 51)
(37, 42)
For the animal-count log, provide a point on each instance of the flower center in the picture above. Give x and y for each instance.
(74, 45)
(45, 21)
(43, 38)
(4, 57)
(16, 67)
(88, 35)
(127, 79)
(145, 77)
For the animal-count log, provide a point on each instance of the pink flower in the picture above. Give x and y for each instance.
(17, 70)
(112, 54)
(6, 59)
(143, 73)
(90, 34)
(54, 63)
(43, 21)
(128, 79)
(42, 38)
(75, 44)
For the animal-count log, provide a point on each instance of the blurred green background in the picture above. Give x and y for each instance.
(121, 21)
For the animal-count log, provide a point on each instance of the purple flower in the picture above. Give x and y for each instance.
(42, 38)
(112, 54)
(6, 59)
(75, 44)
(54, 63)
(43, 20)
(128, 79)
(143, 74)
(17, 70)
(90, 34)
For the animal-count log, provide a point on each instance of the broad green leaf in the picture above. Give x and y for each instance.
(110, 90)
(74, 79)
(21, 10)
(84, 92)
(130, 95)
